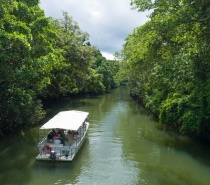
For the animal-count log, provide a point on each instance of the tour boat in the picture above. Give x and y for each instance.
(62, 136)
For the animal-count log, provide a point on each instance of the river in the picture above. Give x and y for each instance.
(124, 146)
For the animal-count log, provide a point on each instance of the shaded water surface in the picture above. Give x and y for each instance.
(123, 147)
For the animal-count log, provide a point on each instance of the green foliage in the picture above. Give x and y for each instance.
(76, 75)
(121, 76)
(142, 5)
(26, 60)
(94, 83)
(42, 58)
(169, 67)
(107, 69)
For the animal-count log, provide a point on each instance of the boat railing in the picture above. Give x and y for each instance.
(62, 151)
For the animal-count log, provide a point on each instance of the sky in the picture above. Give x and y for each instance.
(108, 22)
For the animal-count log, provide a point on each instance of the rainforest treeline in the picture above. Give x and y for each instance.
(168, 63)
(42, 59)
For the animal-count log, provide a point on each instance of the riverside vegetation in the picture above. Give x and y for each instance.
(168, 64)
(43, 59)
(165, 62)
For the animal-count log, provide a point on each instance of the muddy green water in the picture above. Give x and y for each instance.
(124, 146)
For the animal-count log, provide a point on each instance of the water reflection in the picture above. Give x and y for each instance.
(15, 163)
(61, 172)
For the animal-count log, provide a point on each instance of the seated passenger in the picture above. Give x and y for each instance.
(50, 137)
(55, 135)
(62, 136)
(75, 134)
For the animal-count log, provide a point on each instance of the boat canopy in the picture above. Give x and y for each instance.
(70, 120)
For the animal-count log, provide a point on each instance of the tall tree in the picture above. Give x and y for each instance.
(169, 63)
(27, 56)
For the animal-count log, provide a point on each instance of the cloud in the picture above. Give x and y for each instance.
(108, 22)
(108, 56)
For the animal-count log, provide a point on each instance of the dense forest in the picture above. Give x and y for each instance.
(42, 59)
(167, 64)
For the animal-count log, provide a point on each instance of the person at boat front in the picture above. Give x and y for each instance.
(69, 138)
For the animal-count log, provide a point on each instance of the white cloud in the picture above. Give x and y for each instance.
(108, 22)
(108, 56)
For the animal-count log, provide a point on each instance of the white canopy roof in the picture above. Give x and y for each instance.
(70, 120)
